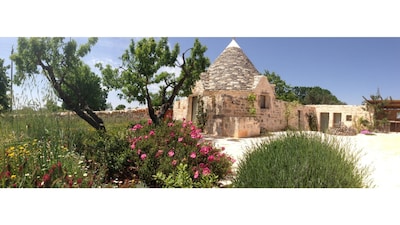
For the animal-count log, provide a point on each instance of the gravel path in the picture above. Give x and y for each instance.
(380, 152)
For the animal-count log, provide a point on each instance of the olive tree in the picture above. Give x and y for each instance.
(71, 79)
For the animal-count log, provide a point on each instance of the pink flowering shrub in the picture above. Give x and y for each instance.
(161, 148)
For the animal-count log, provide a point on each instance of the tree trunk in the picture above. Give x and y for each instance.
(86, 114)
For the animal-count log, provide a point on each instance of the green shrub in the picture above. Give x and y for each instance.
(163, 147)
(301, 160)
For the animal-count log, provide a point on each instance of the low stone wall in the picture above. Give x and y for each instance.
(131, 114)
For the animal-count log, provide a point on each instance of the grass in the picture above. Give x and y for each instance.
(36, 144)
(301, 160)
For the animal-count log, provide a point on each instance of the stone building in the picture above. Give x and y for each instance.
(237, 101)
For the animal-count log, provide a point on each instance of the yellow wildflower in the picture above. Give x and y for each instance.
(11, 154)
(13, 176)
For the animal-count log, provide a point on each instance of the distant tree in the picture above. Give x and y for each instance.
(4, 87)
(61, 63)
(303, 95)
(120, 107)
(283, 91)
(315, 96)
(141, 68)
(52, 106)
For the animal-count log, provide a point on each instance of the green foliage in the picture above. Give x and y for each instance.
(180, 178)
(4, 87)
(251, 99)
(161, 148)
(376, 105)
(201, 115)
(52, 106)
(312, 121)
(141, 65)
(120, 107)
(86, 86)
(111, 151)
(315, 96)
(283, 91)
(301, 160)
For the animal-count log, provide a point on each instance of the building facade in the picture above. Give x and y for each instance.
(235, 100)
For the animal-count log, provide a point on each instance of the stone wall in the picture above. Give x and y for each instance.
(349, 114)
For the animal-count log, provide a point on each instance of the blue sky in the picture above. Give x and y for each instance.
(350, 67)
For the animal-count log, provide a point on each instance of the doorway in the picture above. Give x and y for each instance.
(324, 121)
(193, 117)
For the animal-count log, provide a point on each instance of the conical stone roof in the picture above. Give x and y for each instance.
(232, 70)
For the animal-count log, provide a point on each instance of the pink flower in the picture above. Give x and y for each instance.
(206, 171)
(172, 134)
(202, 165)
(170, 124)
(137, 127)
(204, 150)
(180, 139)
(171, 153)
(159, 152)
(174, 162)
(152, 132)
(133, 145)
(143, 156)
(196, 174)
(149, 121)
(139, 151)
(193, 155)
(210, 158)
(145, 137)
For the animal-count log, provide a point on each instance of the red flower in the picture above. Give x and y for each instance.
(210, 158)
(46, 177)
(149, 121)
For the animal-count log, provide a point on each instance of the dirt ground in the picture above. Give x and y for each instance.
(380, 152)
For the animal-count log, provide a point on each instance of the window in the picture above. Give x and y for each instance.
(264, 102)
(349, 118)
(398, 116)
